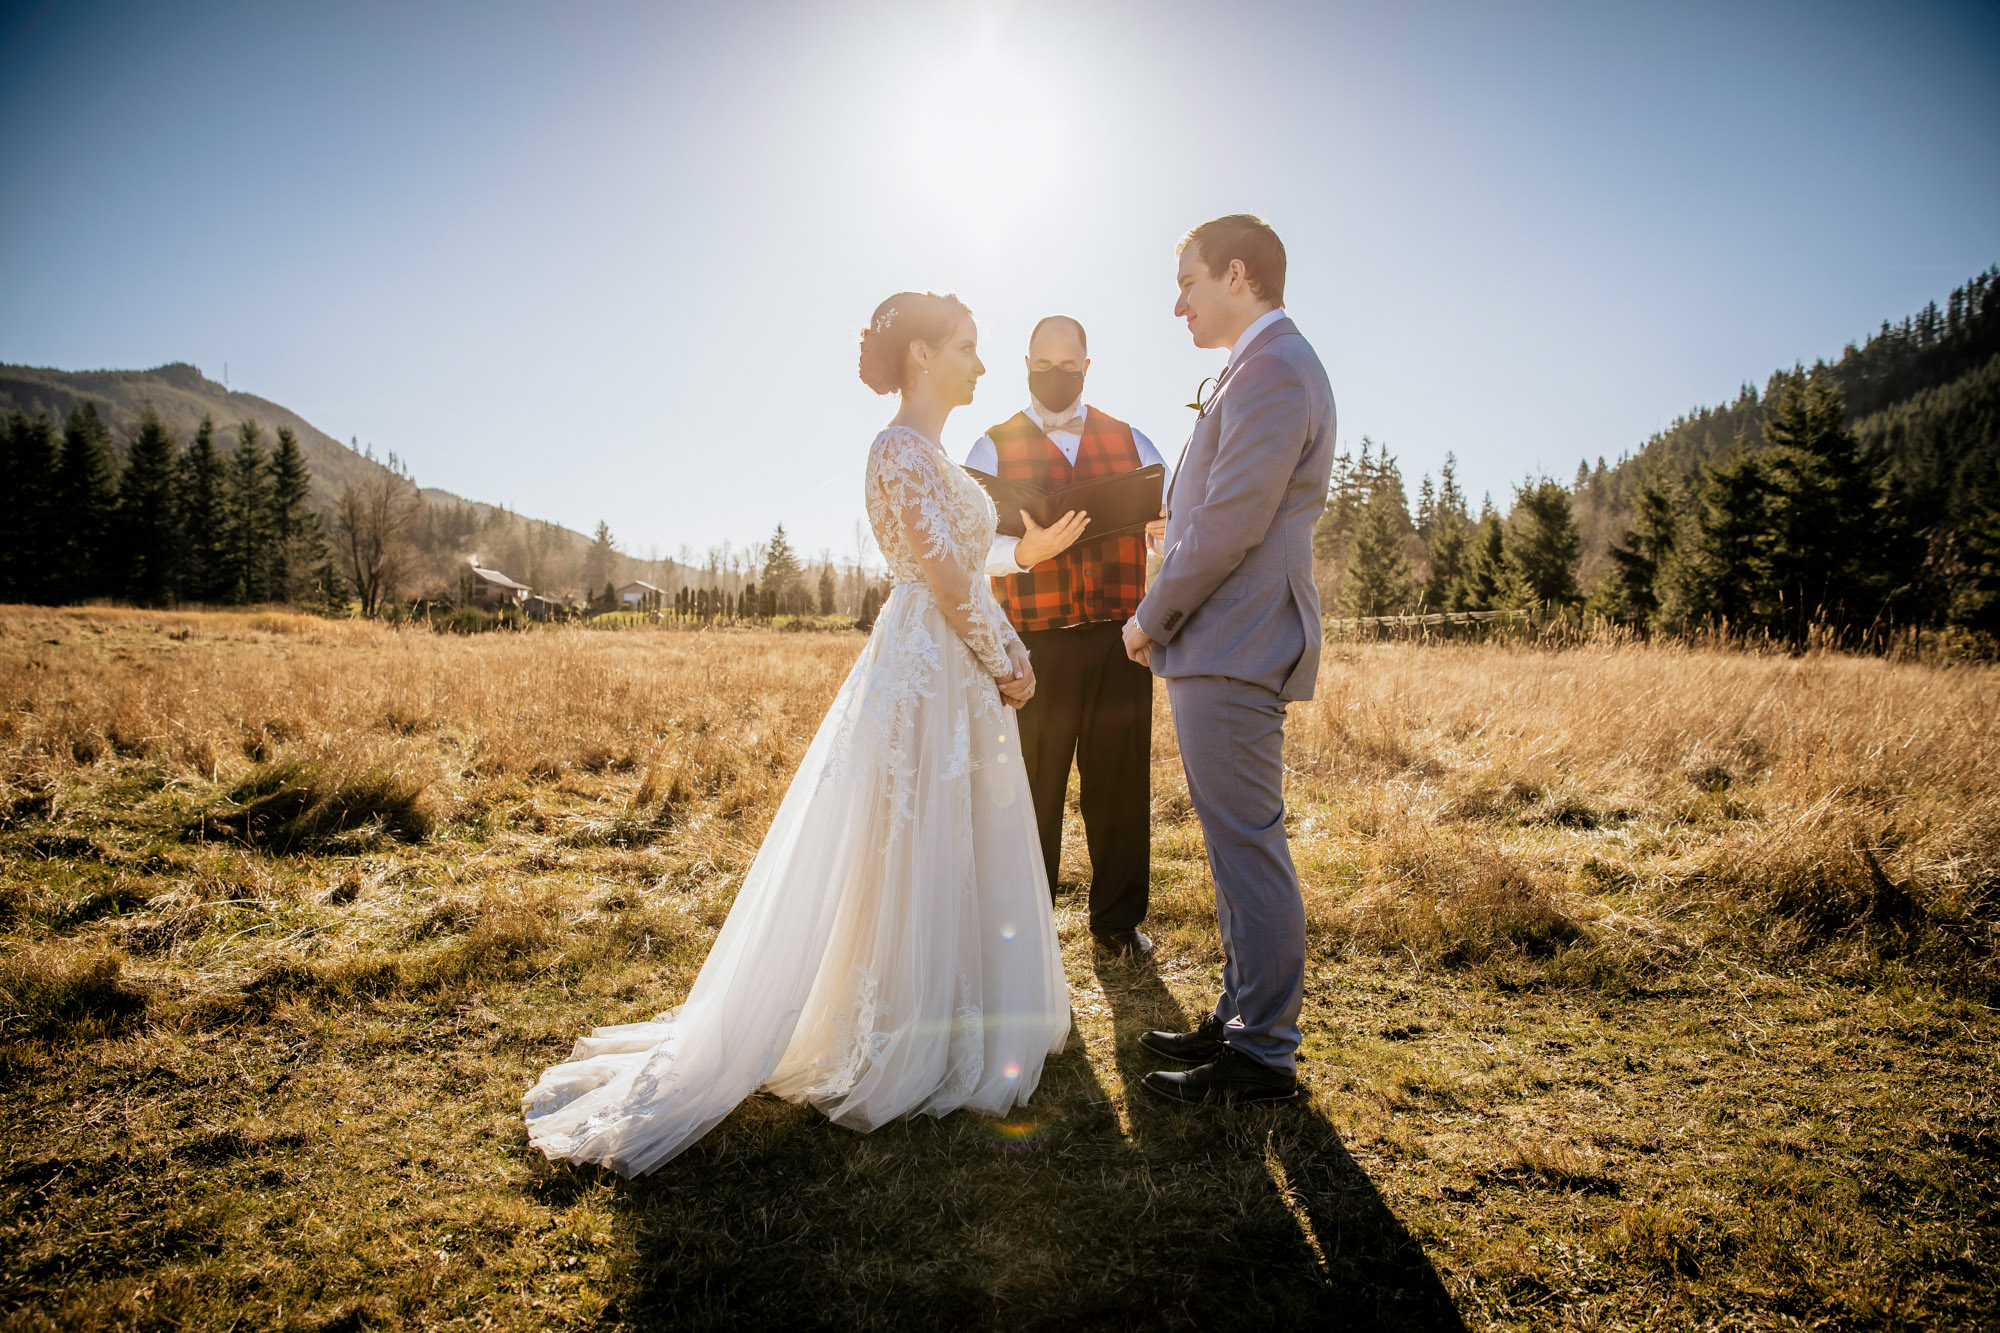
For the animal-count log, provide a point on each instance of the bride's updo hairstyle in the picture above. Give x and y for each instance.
(905, 318)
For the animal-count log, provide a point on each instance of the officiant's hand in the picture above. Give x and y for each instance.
(1019, 686)
(1156, 532)
(1040, 543)
(1138, 643)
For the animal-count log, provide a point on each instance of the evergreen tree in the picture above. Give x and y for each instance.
(1450, 499)
(782, 576)
(602, 557)
(297, 548)
(747, 602)
(14, 500)
(329, 588)
(1378, 570)
(1448, 547)
(1356, 486)
(1834, 529)
(1488, 583)
(826, 591)
(150, 543)
(1346, 496)
(83, 496)
(203, 506)
(1629, 590)
(1543, 544)
(1795, 531)
(1447, 543)
(247, 519)
(1975, 600)
(1728, 574)
(28, 520)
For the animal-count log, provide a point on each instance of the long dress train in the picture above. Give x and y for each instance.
(891, 951)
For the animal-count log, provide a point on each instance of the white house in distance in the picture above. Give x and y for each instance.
(489, 587)
(641, 596)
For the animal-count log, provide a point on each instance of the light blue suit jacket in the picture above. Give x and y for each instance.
(1235, 594)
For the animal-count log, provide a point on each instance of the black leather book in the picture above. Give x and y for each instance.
(1120, 505)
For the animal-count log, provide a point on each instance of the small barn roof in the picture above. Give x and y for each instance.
(496, 578)
(642, 586)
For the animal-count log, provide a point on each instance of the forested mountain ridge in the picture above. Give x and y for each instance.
(182, 396)
(1919, 395)
(1859, 498)
(161, 487)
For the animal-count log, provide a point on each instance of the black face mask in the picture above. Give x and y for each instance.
(1056, 390)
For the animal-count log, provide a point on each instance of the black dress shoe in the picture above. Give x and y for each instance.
(1232, 1078)
(1197, 1047)
(1133, 943)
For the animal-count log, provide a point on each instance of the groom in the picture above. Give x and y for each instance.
(1232, 624)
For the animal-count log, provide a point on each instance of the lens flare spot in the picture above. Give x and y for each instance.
(1007, 931)
(1013, 1073)
(1020, 1137)
(1001, 758)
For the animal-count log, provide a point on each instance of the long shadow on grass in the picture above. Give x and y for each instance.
(1301, 1232)
(1053, 1218)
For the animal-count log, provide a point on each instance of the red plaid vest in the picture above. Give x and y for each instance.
(1093, 580)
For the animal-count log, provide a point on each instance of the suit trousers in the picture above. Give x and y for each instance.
(1093, 705)
(1232, 735)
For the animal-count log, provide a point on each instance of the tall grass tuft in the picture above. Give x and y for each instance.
(64, 992)
(294, 806)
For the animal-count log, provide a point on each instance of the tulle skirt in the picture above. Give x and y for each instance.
(892, 950)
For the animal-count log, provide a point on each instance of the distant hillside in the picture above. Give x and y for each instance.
(1924, 395)
(182, 396)
(446, 530)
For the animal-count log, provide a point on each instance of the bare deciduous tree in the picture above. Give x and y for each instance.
(368, 527)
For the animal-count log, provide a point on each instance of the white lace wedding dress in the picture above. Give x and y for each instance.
(892, 950)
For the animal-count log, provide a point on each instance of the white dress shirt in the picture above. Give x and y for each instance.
(1249, 335)
(1067, 436)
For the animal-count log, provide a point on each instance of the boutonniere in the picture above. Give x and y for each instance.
(1204, 394)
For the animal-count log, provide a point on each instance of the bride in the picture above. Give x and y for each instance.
(891, 951)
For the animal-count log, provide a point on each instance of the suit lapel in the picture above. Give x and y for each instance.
(1257, 345)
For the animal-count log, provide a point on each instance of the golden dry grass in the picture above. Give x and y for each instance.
(1648, 987)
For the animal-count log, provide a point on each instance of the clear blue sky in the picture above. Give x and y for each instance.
(610, 261)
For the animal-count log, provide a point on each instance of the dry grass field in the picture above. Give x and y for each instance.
(1648, 988)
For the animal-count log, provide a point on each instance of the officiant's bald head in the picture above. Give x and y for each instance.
(1058, 343)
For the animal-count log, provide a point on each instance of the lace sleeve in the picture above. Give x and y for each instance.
(913, 482)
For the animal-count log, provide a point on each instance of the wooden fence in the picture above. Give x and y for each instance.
(1434, 620)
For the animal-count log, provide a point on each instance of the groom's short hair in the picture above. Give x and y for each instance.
(1250, 239)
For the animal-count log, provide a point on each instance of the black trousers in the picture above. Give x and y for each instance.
(1094, 705)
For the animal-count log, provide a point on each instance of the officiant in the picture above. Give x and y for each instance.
(1069, 597)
